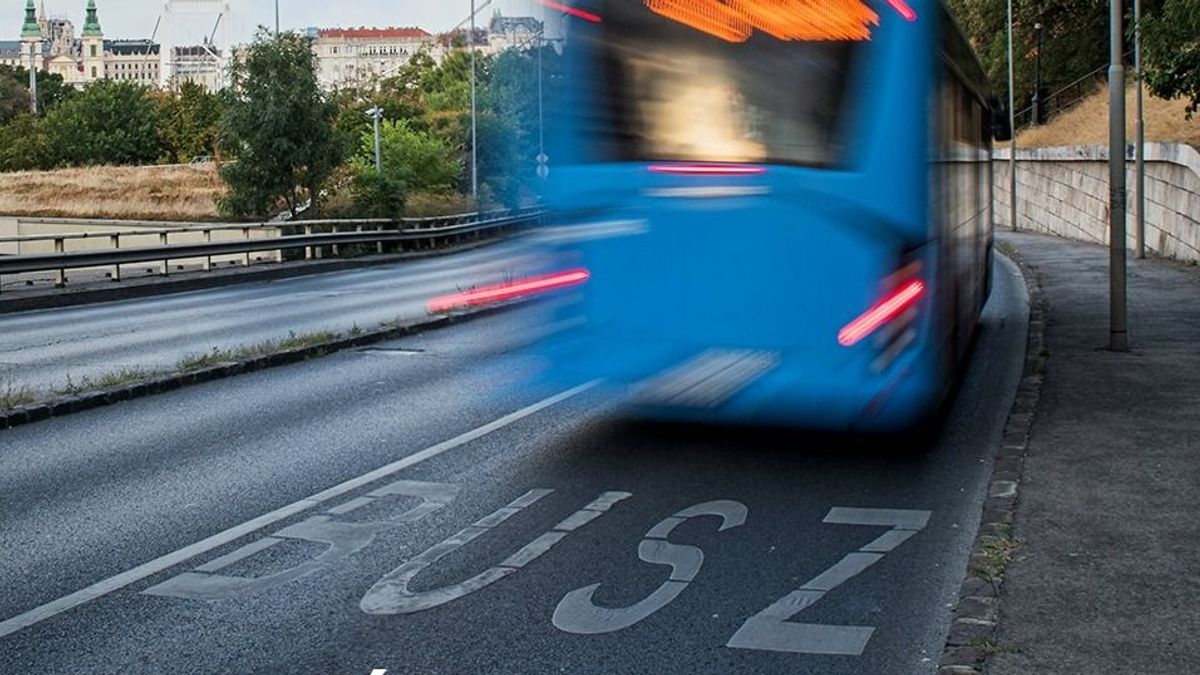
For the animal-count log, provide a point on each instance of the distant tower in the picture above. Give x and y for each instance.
(177, 26)
(92, 42)
(31, 50)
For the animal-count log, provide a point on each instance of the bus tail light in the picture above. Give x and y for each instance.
(488, 295)
(895, 305)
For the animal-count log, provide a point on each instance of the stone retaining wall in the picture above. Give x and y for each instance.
(1064, 192)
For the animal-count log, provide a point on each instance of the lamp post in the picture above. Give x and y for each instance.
(276, 18)
(1037, 78)
(377, 114)
(33, 94)
(1118, 332)
(1012, 122)
(1139, 130)
(474, 116)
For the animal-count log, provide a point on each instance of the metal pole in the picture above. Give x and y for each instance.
(1140, 132)
(378, 145)
(1037, 78)
(474, 116)
(33, 95)
(276, 18)
(1118, 326)
(541, 106)
(1012, 122)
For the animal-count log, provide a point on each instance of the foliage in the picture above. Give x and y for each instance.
(24, 145)
(411, 160)
(14, 92)
(190, 121)
(279, 127)
(14, 99)
(1172, 51)
(109, 122)
(1074, 41)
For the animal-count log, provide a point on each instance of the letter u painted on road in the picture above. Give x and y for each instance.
(576, 613)
(391, 594)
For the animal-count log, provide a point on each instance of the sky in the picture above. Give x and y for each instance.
(136, 18)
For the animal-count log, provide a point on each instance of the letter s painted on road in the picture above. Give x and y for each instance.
(576, 613)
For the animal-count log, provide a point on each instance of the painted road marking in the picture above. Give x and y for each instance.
(770, 628)
(390, 595)
(116, 583)
(342, 539)
(576, 613)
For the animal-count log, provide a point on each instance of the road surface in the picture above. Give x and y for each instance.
(45, 349)
(411, 507)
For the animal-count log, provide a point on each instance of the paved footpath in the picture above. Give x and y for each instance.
(1108, 577)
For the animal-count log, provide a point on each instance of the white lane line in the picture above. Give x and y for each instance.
(115, 583)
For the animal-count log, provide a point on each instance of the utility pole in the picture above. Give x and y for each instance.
(276, 18)
(1118, 340)
(1140, 132)
(474, 116)
(1012, 122)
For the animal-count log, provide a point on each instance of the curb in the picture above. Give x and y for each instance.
(969, 642)
(66, 405)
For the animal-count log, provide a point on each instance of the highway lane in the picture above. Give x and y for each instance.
(475, 470)
(45, 349)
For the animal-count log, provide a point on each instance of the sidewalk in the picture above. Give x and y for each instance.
(1107, 578)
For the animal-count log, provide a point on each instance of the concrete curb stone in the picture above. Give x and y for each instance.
(159, 384)
(978, 608)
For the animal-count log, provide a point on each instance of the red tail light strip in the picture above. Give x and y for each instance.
(881, 314)
(507, 291)
(903, 9)
(577, 13)
(707, 170)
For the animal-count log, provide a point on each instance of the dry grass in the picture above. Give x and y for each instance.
(185, 193)
(1087, 123)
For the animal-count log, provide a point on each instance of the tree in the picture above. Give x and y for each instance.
(278, 126)
(190, 122)
(14, 100)
(1074, 40)
(1172, 51)
(24, 145)
(109, 122)
(14, 92)
(411, 161)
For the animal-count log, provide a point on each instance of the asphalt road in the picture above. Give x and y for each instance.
(460, 523)
(46, 349)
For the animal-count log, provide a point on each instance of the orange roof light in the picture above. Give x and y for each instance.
(792, 20)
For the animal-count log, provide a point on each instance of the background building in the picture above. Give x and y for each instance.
(354, 56)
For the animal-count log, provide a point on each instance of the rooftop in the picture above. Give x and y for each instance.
(373, 33)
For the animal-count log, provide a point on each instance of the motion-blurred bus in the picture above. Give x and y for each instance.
(773, 211)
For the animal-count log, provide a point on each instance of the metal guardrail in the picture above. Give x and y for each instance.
(426, 233)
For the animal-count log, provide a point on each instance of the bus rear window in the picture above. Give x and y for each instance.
(681, 86)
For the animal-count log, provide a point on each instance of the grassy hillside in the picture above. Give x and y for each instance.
(186, 193)
(1087, 123)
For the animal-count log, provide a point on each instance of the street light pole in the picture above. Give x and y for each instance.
(1037, 78)
(276, 18)
(377, 113)
(33, 94)
(1118, 340)
(1012, 123)
(1140, 132)
(474, 116)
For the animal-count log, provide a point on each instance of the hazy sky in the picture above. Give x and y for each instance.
(136, 18)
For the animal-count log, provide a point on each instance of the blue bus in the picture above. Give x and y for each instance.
(772, 211)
